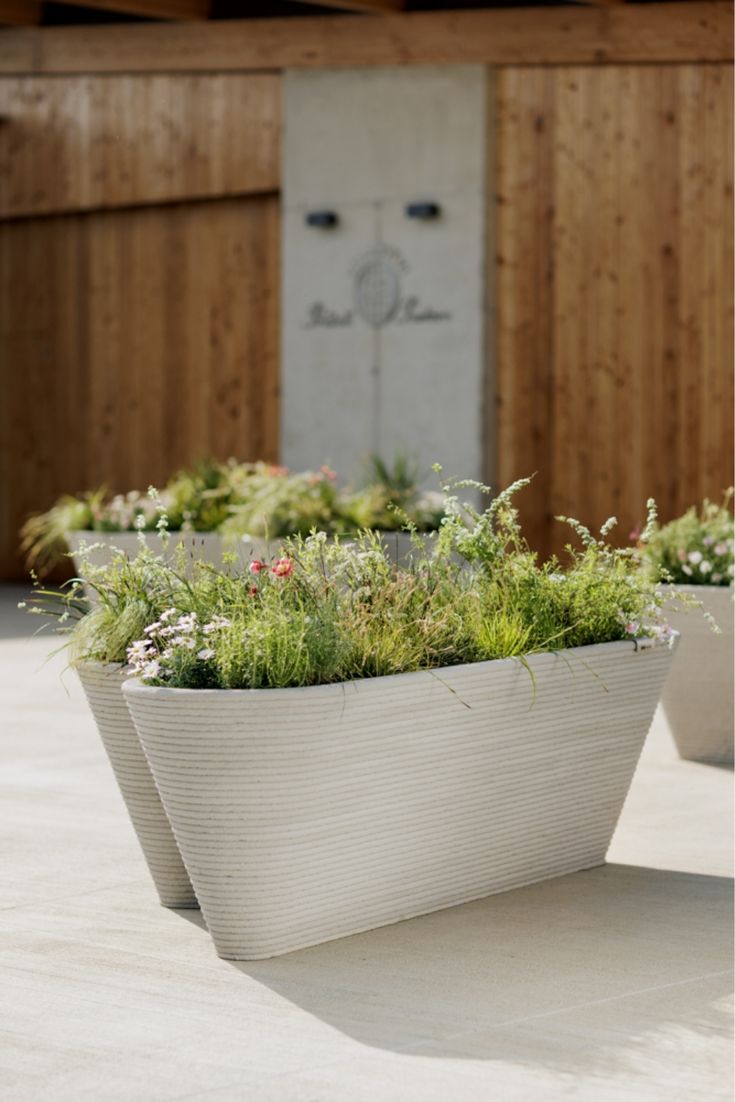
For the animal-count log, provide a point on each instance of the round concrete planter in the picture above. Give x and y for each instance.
(698, 696)
(310, 814)
(102, 686)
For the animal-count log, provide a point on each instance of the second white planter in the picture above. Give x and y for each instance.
(309, 814)
(698, 696)
(102, 684)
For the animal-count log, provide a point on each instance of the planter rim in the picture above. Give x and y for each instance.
(97, 532)
(696, 587)
(245, 538)
(95, 664)
(135, 687)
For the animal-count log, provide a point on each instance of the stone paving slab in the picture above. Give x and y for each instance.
(605, 985)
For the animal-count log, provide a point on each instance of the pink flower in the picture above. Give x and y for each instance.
(253, 591)
(328, 472)
(282, 568)
(256, 566)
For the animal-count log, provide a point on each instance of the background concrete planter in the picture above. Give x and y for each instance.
(698, 696)
(102, 686)
(208, 546)
(309, 814)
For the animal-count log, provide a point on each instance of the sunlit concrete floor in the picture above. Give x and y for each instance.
(609, 985)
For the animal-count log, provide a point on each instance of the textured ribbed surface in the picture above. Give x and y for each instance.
(102, 686)
(698, 696)
(210, 547)
(308, 814)
(207, 546)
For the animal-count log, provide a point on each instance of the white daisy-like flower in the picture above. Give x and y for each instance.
(705, 567)
(205, 653)
(151, 669)
(695, 557)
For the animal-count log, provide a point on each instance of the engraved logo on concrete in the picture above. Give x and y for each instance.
(377, 292)
(377, 288)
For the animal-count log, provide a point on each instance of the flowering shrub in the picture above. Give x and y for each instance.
(258, 500)
(696, 548)
(325, 611)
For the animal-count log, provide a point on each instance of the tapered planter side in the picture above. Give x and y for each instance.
(309, 814)
(102, 685)
(698, 696)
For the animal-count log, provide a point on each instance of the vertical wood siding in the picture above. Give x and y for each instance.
(133, 342)
(614, 290)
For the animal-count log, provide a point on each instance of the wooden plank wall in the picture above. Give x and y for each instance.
(614, 290)
(137, 338)
(95, 141)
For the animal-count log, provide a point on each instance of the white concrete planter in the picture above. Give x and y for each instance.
(207, 546)
(102, 686)
(309, 814)
(698, 696)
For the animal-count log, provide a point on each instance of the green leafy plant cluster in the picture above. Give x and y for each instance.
(696, 548)
(329, 611)
(259, 500)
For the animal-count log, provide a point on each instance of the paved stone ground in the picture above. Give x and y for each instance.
(605, 986)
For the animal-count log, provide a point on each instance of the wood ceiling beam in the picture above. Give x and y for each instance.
(620, 34)
(366, 6)
(153, 9)
(20, 13)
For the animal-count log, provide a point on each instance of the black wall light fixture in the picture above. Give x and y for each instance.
(322, 219)
(425, 212)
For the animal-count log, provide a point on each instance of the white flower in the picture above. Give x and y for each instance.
(717, 577)
(151, 669)
(152, 628)
(205, 653)
(686, 569)
(695, 557)
(215, 624)
(139, 650)
(721, 549)
(705, 567)
(168, 614)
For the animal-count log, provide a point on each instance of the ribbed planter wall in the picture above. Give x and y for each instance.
(309, 814)
(698, 697)
(102, 685)
(207, 546)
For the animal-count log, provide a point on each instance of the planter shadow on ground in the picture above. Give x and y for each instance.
(601, 957)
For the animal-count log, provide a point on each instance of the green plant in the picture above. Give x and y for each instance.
(696, 548)
(43, 536)
(271, 502)
(389, 499)
(328, 611)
